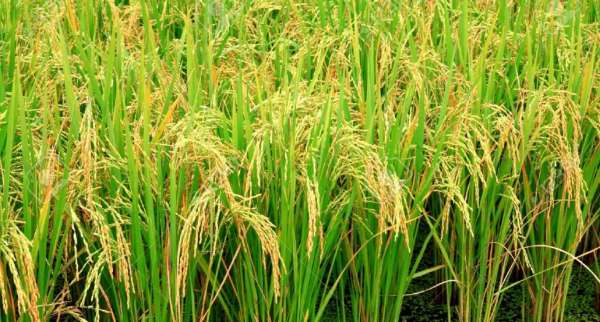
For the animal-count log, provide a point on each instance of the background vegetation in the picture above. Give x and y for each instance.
(282, 160)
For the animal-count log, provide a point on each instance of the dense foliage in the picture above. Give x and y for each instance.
(279, 160)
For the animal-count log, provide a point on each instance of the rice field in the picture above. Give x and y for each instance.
(281, 160)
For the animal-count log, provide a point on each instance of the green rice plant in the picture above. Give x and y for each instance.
(224, 160)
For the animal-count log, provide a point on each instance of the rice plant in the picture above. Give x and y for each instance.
(275, 160)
